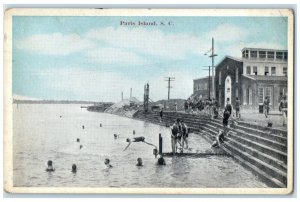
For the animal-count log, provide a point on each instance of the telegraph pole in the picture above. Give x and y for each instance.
(169, 79)
(212, 66)
(208, 80)
(130, 93)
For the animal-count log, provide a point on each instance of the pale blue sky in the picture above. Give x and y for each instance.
(94, 58)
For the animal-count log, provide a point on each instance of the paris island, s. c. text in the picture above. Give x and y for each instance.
(146, 23)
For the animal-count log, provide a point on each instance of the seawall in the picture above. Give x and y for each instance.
(260, 149)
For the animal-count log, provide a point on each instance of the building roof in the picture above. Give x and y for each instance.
(203, 78)
(230, 57)
(263, 49)
(265, 78)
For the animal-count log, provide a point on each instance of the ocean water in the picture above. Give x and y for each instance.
(43, 132)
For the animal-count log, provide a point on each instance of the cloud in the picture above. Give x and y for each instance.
(54, 44)
(149, 42)
(228, 32)
(115, 56)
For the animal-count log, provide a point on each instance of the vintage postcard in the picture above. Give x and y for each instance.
(149, 101)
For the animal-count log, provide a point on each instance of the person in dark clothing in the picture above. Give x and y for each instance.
(185, 134)
(186, 106)
(175, 133)
(50, 167)
(266, 106)
(161, 161)
(228, 106)
(237, 107)
(283, 107)
(161, 115)
(74, 168)
(137, 139)
(139, 162)
(215, 109)
(226, 116)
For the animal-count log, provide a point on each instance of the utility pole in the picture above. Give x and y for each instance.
(212, 66)
(208, 80)
(130, 93)
(169, 79)
(212, 56)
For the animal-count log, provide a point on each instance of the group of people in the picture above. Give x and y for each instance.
(282, 107)
(107, 161)
(209, 106)
(179, 136)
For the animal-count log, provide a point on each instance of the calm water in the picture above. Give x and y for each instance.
(40, 134)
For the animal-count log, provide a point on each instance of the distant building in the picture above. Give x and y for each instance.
(258, 74)
(201, 87)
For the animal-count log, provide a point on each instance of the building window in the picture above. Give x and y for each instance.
(266, 71)
(248, 70)
(245, 54)
(253, 54)
(279, 55)
(284, 71)
(271, 55)
(260, 95)
(220, 77)
(262, 54)
(236, 75)
(285, 55)
(273, 70)
(255, 70)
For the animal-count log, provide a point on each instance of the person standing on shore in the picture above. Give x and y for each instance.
(185, 135)
(186, 106)
(161, 115)
(237, 108)
(226, 116)
(266, 106)
(283, 108)
(174, 133)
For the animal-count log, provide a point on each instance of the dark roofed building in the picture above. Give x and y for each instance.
(201, 88)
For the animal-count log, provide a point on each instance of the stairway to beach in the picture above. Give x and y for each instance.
(261, 150)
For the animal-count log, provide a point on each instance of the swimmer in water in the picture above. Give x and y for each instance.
(78, 140)
(137, 139)
(139, 162)
(107, 163)
(161, 161)
(82, 126)
(116, 136)
(80, 147)
(50, 167)
(74, 168)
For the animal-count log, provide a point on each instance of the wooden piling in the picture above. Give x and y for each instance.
(160, 144)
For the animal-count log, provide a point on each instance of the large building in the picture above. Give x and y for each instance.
(258, 74)
(201, 88)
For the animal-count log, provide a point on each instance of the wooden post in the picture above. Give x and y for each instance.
(160, 144)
